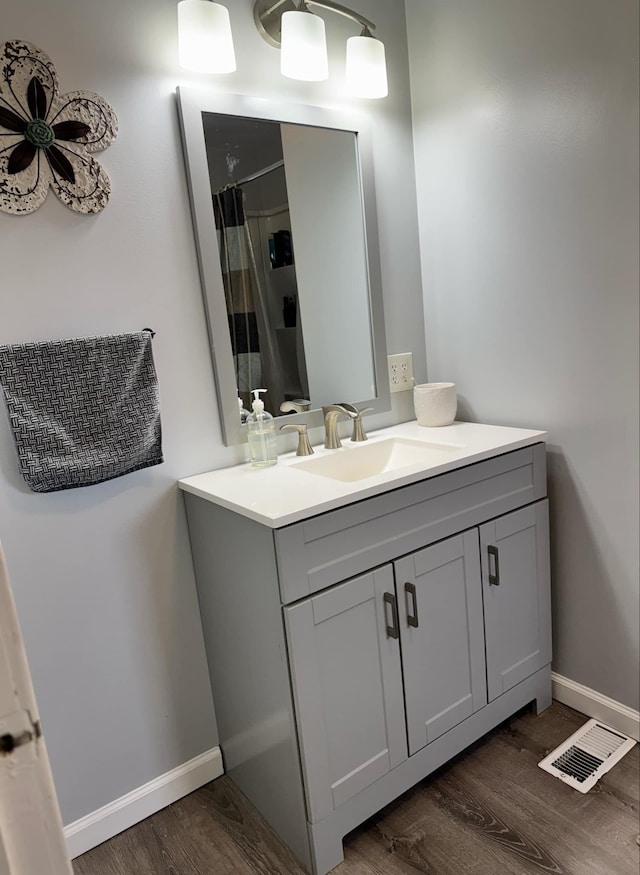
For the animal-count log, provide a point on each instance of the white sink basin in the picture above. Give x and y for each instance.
(357, 463)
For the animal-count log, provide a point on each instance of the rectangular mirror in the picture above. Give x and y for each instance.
(284, 215)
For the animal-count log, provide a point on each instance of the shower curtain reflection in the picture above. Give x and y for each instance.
(255, 355)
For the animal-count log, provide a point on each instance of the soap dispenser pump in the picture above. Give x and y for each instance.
(261, 433)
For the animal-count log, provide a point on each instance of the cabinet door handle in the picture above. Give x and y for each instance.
(494, 579)
(392, 631)
(412, 616)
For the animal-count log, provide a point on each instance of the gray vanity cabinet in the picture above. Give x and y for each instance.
(515, 576)
(408, 640)
(347, 685)
(442, 633)
(354, 652)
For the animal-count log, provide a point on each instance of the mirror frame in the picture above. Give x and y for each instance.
(192, 103)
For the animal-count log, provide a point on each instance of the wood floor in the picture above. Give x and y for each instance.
(492, 811)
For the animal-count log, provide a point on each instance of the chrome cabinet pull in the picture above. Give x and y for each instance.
(394, 630)
(494, 579)
(412, 616)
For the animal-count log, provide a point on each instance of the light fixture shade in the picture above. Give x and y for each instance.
(304, 47)
(366, 70)
(204, 37)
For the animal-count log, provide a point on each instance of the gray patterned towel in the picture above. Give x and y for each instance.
(83, 410)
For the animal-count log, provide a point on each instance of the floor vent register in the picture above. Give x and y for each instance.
(587, 755)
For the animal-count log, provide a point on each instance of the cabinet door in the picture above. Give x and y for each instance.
(440, 592)
(515, 581)
(347, 686)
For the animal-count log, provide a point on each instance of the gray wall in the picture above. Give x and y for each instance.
(102, 576)
(526, 143)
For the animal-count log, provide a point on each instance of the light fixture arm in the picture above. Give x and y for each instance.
(267, 15)
(342, 10)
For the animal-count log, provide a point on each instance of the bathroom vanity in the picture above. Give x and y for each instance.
(366, 620)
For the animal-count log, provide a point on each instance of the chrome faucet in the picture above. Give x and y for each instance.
(298, 405)
(331, 413)
(304, 447)
(358, 431)
(358, 434)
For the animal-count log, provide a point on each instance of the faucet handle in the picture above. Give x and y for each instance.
(304, 447)
(358, 431)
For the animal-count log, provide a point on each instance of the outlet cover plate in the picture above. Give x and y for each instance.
(400, 368)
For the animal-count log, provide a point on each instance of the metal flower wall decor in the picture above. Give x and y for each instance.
(46, 138)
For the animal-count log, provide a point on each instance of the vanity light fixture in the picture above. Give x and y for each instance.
(366, 70)
(204, 37)
(303, 45)
(300, 35)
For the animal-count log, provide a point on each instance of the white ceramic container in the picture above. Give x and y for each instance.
(435, 404)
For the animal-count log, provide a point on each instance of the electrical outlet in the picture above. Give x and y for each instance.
(400, 372)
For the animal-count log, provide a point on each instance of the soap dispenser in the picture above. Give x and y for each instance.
(261, 432)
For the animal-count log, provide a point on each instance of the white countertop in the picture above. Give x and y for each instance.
(282, 494)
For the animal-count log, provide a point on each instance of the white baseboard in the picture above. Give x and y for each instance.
(108, 821)
(594, 704)
(103, 824)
